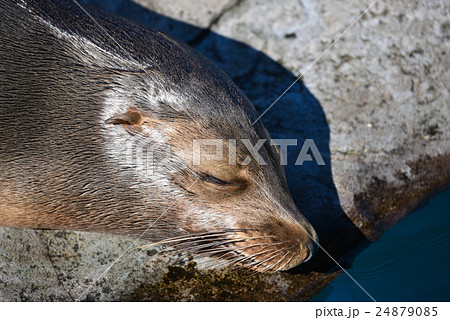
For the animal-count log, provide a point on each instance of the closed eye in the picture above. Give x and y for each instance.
(209, 178)
(219, 182)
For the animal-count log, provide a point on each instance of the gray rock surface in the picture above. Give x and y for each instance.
(376, 104)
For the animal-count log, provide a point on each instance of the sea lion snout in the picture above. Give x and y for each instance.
(304, 242)
(280, 244)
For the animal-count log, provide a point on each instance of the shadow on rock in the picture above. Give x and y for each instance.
(298, 115)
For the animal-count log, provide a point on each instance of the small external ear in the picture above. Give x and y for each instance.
(133, 117)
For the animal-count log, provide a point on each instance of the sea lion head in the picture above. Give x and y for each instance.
(211, 159)
(172, 136)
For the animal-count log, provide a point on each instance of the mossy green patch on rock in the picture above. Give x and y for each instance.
(188, 283)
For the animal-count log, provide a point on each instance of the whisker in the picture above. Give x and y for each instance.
(194, 249)
(243, 257)
(183, 238)
(200, 246)
(259, 244)
(197, 248)
(256, 265)
(216, 244)
(277, 262)
(287, 262)
(240, 256)
(194, 236)
(217, 263)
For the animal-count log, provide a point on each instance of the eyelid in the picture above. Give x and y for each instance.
(209, 178)
(212, 179)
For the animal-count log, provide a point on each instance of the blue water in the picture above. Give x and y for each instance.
(410, 262)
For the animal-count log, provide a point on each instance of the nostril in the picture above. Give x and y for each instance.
(310, 254)
(312, 247)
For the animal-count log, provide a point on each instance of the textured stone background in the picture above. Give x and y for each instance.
(376, 104)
